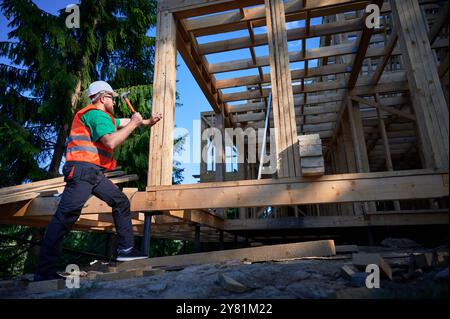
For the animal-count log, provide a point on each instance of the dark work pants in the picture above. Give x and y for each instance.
(82, 180)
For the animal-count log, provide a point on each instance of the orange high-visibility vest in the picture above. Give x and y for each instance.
(81, 148)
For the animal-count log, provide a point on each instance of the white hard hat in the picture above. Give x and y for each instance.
(100, 87)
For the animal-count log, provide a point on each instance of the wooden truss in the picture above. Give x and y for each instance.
(378, 98)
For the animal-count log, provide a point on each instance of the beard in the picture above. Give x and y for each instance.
(110, 110)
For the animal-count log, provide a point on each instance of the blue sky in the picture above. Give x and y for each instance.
(191, 97)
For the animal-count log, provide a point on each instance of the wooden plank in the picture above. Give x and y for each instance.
(339, 188)
(364, 42)
(296, 193)
(255, 254)
(387, 151)
(192, 8)
(426, 92)
(362, 161)
(188, 48)
(197, 216)
(45, 185)
(219, 150)
(364, 259)
(295, 74)
(292, 34)
(384, 108)
(312, 222)
(441, 20)
(45, 190)
(359, 144)
(390, 82)
(313, 171)
(312, 161)
(295, 10)
(331, 107)
(296, 56)
(310, 150)
(164, 88)
(387, 54)
(282, 94)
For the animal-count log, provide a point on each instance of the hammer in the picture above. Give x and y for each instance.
(124, 97)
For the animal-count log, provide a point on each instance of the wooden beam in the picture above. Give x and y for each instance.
(330, 107)
(441, 20)
(387, 151)
(292, 34)
(443, 67)
(364, 42)
(295, 10)
(295, 74)
(387, 55)
(354, 114)
(384, 108)
(192, 8)
(164, 88)
(363, 88)
(415, 184)
(188, 48)
(343, 188)
(198, 217)
(404, 218)
(430, 106)
(255, 254)
(282, 94)
(313, 53)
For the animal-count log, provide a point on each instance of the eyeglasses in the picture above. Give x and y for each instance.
(110, 96)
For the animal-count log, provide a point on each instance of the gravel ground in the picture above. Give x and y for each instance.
(299, 278)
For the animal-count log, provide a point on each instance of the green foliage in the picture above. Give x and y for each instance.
(12, 262)
(44, 85)
(50, 65)
(19, 149)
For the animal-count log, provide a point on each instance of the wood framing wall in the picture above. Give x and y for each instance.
(377, 97)
(164, 88)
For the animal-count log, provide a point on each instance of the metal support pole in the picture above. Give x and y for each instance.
(263, 146)
(197, 247)
(220, 239)
(147, 234)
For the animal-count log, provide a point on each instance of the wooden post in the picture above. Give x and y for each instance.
(220, 156)
(288, 162)
(221, 246)
(426, 92)
(197, 243)
(342, 168)
(359, 143)
(387, 150)
(203, 143)
(220, 149)
(164, 87)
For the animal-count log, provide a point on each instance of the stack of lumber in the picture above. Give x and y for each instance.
(51, 187)
(311, 156)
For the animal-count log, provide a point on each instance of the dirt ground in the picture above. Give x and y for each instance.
(305, 278)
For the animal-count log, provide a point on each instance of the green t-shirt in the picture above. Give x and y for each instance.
(99, 123)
